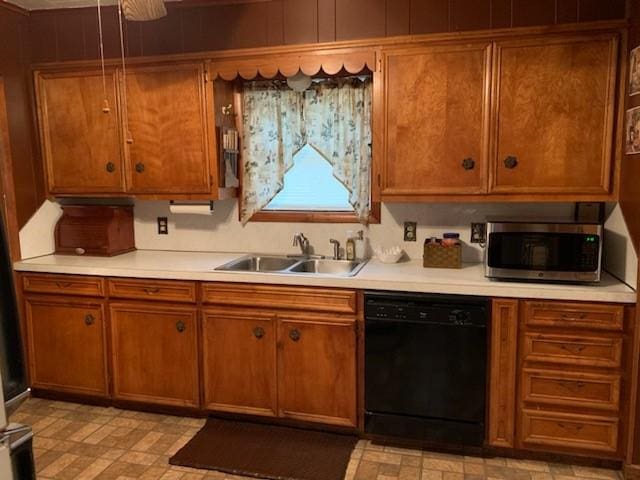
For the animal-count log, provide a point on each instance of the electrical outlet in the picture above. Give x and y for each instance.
(163, 226)
(410, 231)
(478, 233)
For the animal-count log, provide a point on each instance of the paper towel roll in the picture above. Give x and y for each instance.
(191, 208)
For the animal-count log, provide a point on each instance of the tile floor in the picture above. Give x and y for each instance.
(81, 442)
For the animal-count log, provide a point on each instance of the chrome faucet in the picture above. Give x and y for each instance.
(336, 248)
(303, 242)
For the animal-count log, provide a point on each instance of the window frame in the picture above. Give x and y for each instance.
(323, 216)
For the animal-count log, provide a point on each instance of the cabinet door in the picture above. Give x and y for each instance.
(155, 357)
(436, 136)
(169, 139)
(317, 370)
(80, 140)
(66, 341)
(239, 356)
(553, 119)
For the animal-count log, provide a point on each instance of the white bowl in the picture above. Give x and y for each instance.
(389, 255)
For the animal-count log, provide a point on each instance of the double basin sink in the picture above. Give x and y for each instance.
(294, 265)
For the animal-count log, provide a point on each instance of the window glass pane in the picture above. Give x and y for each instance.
(310, 185)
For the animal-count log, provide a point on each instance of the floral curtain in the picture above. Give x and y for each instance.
(333, 116)
(273, 132)
(337, 117)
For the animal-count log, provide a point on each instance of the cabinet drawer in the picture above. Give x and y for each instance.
(297, 298)
(556, 387)
(573, 431)
(573, 350)
(166, 290)
(64, 284)
(594, 316)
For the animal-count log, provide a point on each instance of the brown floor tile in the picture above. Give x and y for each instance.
(84, 442)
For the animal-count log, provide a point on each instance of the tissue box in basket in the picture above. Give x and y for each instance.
(440, 256)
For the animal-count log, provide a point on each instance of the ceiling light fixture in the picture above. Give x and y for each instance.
(143, 10)
(299, 82)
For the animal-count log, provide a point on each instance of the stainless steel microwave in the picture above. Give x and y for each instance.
(547, 251)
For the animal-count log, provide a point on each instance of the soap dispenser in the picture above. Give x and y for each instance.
(350, 246)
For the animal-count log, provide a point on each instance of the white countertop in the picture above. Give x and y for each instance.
(408, 276)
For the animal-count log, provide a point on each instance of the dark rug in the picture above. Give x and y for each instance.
(267, 451)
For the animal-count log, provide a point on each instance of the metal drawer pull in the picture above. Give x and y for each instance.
(258, 332)
(63, 284)
(151, 290)
(111, 167)
(569, 385)
(569, 316)
(575, 426)
(294, 334)
(468, 163)
(89, 319)
(139, 167)
(573, 348)
(511, 162)
(180, 326)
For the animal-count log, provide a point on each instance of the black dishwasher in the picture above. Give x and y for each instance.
(426, 367)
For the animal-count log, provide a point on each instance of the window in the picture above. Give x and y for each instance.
(306, 155)
(310, 185)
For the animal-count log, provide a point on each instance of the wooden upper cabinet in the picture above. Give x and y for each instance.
(80, 140)
(170, 139)
(553, 114)
(436, 116)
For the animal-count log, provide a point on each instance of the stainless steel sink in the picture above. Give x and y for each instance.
(253, 263)
(289, 265)
(328, 267)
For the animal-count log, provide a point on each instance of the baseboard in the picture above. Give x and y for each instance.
(631, 472)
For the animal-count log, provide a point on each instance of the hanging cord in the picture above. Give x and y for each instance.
(125, 115)
(105, 106)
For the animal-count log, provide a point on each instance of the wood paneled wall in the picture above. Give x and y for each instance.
(630, 174)
(71, 34)
(15, 59)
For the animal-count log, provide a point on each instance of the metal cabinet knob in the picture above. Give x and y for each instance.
(511, 162)
(139, 167)
(180, 326)
(468, 163)
(258, 332)
(294, 334)
(111, 167)
(89, 319)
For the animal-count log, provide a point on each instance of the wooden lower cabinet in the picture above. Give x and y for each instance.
(67, 344)
(317, 369)
(239, 361)
(155, 353)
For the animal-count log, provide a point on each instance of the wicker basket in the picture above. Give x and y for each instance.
(440, 256)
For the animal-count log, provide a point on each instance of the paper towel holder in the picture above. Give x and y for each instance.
(209, 203)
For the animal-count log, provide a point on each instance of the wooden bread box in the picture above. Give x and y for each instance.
(95, 230)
